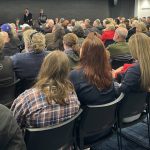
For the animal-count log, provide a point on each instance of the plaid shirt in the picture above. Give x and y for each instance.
(32, 110)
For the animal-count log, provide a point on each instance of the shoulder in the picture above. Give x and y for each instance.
(76, 73)
(18, 56)
(135, 67)
(111, 46)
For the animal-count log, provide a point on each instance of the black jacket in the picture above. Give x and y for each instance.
(89, 94)
(6, 70)
(10, 134)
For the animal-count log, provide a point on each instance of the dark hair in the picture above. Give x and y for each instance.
(78, 30)
(95, 63)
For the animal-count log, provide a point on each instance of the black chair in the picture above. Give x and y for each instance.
(96, 123)
(23, 85)
(7, 93)
(120, 60)
(108, 42)
(132, 105)
(53, 137)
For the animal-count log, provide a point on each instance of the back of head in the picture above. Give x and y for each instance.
(139, 45)
(52, 79)
(78, 30)
(122, 34)
(94, 61)
(70, 39)
(110, 26)
(37, 42)
(141, 27)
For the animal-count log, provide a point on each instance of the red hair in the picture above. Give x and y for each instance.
(95, 62)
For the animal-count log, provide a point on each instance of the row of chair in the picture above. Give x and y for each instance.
(9, 92)
(91, 125)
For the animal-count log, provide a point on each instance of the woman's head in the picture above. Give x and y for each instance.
(55, 66)
(139, 45)
(53, 77)
(95, 63)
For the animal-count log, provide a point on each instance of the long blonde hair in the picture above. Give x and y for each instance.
(52, 78)
(139, 45)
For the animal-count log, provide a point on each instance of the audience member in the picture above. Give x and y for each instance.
(108, 34)
(120, 48)
(11, 41)
(27, 65)
(54, 40)
(48, 26)
(7, 75)
(92, 79)
(11, 136)
(137, 76)
(65, 24)
(97, 26)
(71, 49)
(87, 27)
(78, 30)
(52, 100)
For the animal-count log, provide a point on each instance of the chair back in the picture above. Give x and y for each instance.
(120, 60)
(132, 104)
(7, 93)
(52, 138)
(24, 84)
(98, 118)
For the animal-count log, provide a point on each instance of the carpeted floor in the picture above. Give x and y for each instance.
(137, 132)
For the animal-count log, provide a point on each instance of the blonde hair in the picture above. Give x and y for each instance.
(141, 27)
(38, 43)
(139, 45)
(26, 35)
(52, 78)
(122, 25)
(1, 42)
(110, 27)
(13, 29)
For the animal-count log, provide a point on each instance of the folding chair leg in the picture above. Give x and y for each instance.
(120, 135)
(148, 125)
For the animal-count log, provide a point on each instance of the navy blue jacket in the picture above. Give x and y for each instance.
(131, 79)
(87, 93)
(27, 65)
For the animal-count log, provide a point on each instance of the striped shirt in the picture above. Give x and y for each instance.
(32, 110)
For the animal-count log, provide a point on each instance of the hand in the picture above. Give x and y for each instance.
(114, 72)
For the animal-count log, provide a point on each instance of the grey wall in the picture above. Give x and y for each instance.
(11, 9)
(124, 8)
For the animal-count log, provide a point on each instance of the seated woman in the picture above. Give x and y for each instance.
(54, 40)
(137, 76)
(92, 79)
(52, 99)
